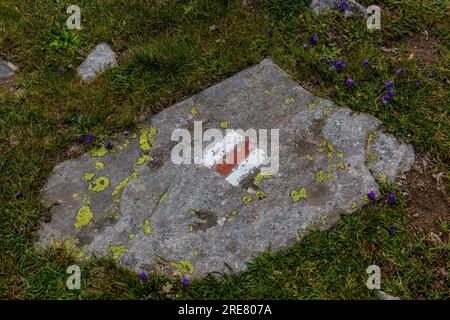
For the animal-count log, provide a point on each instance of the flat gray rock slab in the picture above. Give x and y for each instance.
(7, 70)
(100, 59)
(134, 204)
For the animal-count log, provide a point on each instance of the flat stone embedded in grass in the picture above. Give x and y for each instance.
(384, 296)
(100, 59)
(188, 218)
(7, 70)
(351, 7)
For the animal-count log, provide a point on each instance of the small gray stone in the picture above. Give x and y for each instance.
(100, 59)
(323, 6)
(133, 203)
(384, 296)
(7, 70)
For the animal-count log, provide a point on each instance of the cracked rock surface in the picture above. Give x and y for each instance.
(132, 203)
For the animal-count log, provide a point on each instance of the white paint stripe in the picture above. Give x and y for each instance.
(255, 159)
(217, 151)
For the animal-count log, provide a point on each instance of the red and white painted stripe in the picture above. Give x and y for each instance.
(231, 157)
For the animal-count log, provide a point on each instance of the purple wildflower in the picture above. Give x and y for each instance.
(61, 70)
(349, 82)
(314, 39)
(89, 137)
(385, 98)
(323, 59)
(344, 6)
(391, 92)
(19, 194)
(417, 83)
(430, 74)
(366, 63)
(185, 282)
(400, 71)
(107, 144)
(392, 230)
(371, 195)
(340, 64)
(143, 277)
(389, 84)
(270, 33)
(391, 198)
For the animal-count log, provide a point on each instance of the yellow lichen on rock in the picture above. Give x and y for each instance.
(146, 138)
(86, 199)
(184, 266)
(260, 194)
(328, 112)
(289, 101)
(99, 164)
(141, 160)
(117, 251)
(143, 140)
(84, 217)
(146, 142)
(382, 177)
(247, 198)
(322, 176)
(296, 195)
(259, 177)
(123, 183)
(163, 198)
(147, 227)
(223, 124)
(192, 212)
(124, 144)
(340, 165)
(99, 151)
(99, 184)
(88, 176)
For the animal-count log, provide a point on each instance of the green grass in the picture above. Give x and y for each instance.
(167, 51)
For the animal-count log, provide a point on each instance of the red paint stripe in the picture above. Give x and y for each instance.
(232, 159)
